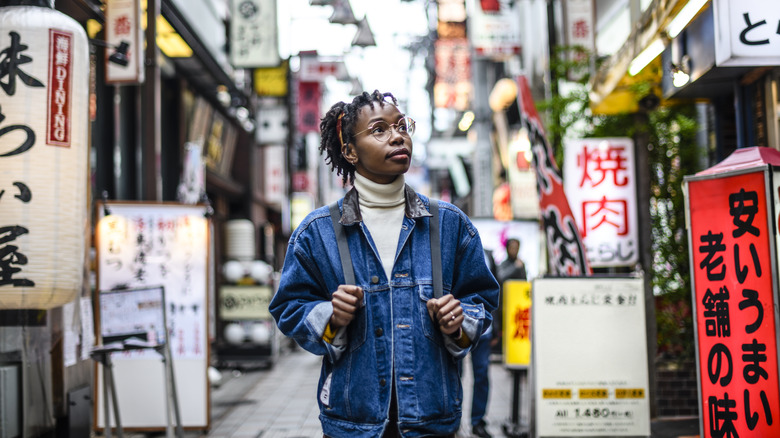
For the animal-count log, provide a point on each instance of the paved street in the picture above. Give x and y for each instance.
(280, 403)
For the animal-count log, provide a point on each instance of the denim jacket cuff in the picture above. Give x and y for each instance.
(318, 320)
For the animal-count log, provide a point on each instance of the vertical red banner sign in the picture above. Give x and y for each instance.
(565, 248)
(732, 264)
(308, 107)
(60, 89)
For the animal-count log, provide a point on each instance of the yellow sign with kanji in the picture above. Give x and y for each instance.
(517, 323)
(271, 81)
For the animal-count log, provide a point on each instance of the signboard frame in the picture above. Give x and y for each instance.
(139, 374)
(609, 398)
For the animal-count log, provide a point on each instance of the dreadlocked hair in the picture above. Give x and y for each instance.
(331, 144)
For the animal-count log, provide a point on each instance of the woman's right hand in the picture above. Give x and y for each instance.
(346, 300)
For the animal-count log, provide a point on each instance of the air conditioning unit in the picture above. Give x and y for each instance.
(10, 401)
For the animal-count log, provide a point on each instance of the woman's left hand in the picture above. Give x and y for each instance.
(447, 312)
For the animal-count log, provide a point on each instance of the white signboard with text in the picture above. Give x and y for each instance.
(494, 34)
(589, 357)
(747, 32)
(253, 34)
(123, 27)
(141, 245)
(599, 178)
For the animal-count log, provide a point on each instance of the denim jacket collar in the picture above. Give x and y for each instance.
(414, 207)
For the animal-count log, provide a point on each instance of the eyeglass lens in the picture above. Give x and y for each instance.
(381, 130)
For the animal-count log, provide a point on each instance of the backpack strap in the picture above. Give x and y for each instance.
(341, 238)
(438, 287)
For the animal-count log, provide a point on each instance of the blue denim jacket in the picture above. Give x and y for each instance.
(391, 340)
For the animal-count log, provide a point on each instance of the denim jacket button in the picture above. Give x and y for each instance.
(378, 332)
(382, 382)
(375, 279)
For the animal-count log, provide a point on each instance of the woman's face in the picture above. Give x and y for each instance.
(379, 161)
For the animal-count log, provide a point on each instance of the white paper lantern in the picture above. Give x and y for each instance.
(44, 73)
(234, 334)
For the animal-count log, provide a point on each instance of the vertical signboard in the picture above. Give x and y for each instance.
(580, 32)
(494, 28)
(253, 34)
(309, 95)
(732, 232)
(600, 181)
(123, 27)
(590, 357)
(517, 323)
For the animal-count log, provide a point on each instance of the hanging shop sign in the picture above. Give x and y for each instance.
(733, 247)
(272, 126)
(747, 33)
(123, 28)
(580, 25)
(44, 74)
(494, 29)
(314, 69)
(309, 95)
(274, 177)
(599, 178)
(271, 81)
(253, 34)
(452, 86)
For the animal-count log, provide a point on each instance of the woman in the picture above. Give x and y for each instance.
(390, 348)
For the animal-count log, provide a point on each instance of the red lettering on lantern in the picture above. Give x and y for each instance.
(59, 93)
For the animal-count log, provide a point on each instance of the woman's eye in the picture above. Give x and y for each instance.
(379, 129)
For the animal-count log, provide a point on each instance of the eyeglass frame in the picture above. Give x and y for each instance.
(410, 127)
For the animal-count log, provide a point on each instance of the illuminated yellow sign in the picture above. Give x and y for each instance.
(271, 81)
(517, 323)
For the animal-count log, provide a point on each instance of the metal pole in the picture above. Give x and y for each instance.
(482, 191)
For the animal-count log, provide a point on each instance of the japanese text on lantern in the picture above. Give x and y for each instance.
(58, 126)
(734, 299)
(12, 61)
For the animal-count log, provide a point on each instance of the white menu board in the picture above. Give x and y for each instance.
(590, 357)
(139, 246)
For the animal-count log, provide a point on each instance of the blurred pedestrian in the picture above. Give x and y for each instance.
(511, 268)
(390, 348)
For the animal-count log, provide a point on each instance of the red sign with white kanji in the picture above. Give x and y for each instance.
(599, 180)
(734, 299)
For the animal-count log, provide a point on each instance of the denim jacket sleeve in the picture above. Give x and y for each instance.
(301, 305)
(471, 280)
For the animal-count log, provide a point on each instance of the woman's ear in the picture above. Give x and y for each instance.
(349, 154)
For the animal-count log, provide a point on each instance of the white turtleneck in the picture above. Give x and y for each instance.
(382, 208)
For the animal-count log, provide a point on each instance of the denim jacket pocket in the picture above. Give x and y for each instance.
(430, 328)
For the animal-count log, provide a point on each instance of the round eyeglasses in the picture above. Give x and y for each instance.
(381, 130)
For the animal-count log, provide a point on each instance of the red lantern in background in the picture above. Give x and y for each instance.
(44, 72)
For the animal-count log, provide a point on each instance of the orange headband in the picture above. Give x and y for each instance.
(338, 128)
